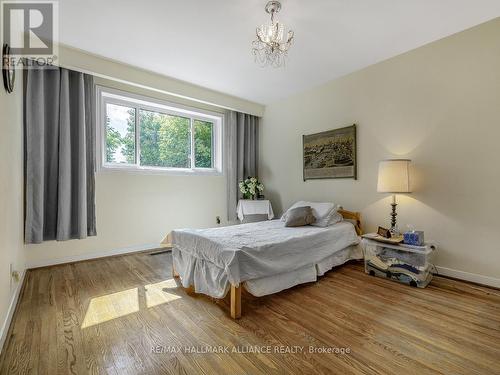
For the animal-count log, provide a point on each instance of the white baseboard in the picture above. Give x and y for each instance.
(467, 276)
(95, 255)
(10, 311)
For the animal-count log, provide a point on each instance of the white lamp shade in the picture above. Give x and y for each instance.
(394, 176)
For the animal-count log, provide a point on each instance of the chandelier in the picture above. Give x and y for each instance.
(272, 44)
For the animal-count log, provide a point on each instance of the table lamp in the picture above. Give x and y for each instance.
(394, 177)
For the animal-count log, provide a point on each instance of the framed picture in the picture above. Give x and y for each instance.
(330, 154)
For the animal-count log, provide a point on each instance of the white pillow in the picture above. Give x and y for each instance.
(333, 218)
(325, 212)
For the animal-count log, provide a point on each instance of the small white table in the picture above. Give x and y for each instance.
(254, 210)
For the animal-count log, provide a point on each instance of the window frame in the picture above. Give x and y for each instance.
(107, 95)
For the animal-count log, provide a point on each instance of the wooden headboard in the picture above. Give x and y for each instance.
(355, 217)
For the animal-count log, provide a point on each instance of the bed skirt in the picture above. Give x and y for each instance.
(209, 279)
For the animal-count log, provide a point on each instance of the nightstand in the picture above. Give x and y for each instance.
(250, 210)
(411, 265)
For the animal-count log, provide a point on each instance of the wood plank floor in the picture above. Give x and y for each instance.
(126, 315)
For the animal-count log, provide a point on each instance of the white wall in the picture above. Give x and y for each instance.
(11, 198)
(438, 105)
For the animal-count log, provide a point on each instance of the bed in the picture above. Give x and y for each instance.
(264, 257)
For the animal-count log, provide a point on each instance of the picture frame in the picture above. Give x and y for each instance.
(331, 154)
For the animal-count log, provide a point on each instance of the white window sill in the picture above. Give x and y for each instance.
(160, 171)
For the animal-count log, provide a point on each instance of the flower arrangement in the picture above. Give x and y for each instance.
(250, 187)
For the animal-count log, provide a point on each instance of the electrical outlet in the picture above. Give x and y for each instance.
(14, 275)
(217, 220)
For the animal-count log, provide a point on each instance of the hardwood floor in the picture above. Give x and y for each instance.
(123, 315)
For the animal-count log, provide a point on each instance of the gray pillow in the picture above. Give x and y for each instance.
(300, 216)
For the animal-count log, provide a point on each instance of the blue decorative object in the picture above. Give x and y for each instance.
(414, 238)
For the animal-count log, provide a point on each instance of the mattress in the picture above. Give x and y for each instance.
(212, 259)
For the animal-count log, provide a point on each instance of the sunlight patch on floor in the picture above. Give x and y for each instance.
(115, 305)
(156, 294)
(111, 306)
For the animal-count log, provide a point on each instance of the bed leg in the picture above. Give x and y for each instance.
(235, 302)
(174, 272)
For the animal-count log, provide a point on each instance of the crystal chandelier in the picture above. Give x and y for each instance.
(272, 44)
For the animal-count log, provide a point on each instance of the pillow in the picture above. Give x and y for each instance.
(300, 216)
(320, 209)
(333, 218)
(325, 212)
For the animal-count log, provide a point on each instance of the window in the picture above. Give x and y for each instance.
(142, 134)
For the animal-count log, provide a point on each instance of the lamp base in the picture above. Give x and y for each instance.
(394, 227)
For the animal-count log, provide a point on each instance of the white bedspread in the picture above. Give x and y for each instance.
(210, 259)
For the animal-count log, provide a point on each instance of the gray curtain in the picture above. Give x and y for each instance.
(59, 155)
(241, 142)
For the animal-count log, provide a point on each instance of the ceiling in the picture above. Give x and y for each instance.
(208, 42)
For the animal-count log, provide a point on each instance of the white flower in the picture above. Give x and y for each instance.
(250, 185)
